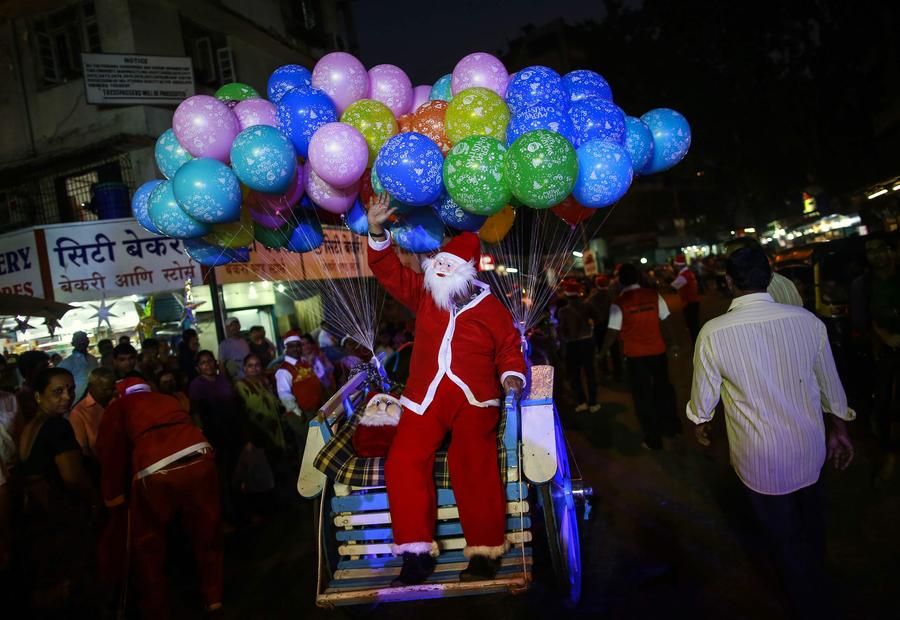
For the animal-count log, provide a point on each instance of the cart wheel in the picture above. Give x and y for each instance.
(561, 523)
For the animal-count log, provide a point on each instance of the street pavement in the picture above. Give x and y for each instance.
(671, 533)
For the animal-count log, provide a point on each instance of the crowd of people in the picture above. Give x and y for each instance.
(98, 453)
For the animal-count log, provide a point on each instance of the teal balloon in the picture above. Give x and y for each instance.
(307, 234)
(169, 218)
(604, 173)
(211, 255)
(441, 89)
(139, 206)
(418, 231)
(638, 142)
(169, 154)
(208, 191)
(263, 159)
(356, 218)
(671, 139)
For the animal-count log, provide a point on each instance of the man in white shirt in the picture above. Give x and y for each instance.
(80, 363)
(773, 366)
(782, 289)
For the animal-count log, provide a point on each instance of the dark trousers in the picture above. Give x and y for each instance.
(615, 351)
(692, 318)
(654, 398)
(887, 399)
(580, 356)
(794, 525)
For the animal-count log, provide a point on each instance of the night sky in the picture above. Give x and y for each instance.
(427, 42)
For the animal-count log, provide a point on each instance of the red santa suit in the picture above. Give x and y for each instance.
(459, 361)
(150, 450)
(297, 383)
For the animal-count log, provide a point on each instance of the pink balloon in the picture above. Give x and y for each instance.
(255, 111)
(480, 69)
(205, 127)
(333, 199)
(421, 95)
(390, 85)
(342, 77)
(339, 154)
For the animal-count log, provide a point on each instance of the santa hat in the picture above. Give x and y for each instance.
(602, 281)
(132, 385)
(382, 409)
(291, 336)
(679, 260)
(571, 287)
(465, 247)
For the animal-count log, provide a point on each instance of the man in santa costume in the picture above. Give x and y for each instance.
(466, 348)
(686, 285)
(154, 458)
(296, 382)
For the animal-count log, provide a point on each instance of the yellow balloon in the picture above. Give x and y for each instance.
(233, 234)
(497, 226)
(476, 112)
(375, 122)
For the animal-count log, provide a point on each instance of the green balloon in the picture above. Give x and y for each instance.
(541, 168)
(273, 239)
(476, 111)
(236, 92)
(474, 175)
(374, 121)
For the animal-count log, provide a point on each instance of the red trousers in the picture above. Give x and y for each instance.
(474, 474)
(192, 489)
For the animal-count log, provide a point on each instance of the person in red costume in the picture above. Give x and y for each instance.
(152, 454)
(467, 347)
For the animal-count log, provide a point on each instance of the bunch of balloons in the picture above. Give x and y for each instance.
(240, 167)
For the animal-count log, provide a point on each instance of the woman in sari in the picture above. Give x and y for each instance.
(263, 409)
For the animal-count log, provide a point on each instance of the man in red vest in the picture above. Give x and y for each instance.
(296, 382)
(686, 285)
(152, 456)
(638, 318)
(467, 352)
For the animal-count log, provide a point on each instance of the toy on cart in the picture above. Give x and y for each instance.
(353, 523)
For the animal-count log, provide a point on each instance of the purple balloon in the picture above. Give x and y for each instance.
(421, 94)
(333, 199)
(338, 154)
(390, 85)
(265, 216)
(255, 111)
(480, 69)
(205, 127)
(278, 203)
(342, 77)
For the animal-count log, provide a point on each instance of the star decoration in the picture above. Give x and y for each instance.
(52, 325)
(188, 305)
(147, 323)
(104, 313)
(22, 325)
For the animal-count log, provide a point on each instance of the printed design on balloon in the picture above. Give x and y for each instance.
(342, 77)
(541, 168)
(390, 85)
(474, 175)
(584, 84)
(604, 173)
(479, 69)
(374, 121)
(455, 216)
(476, 112)
(169, 154)
(301, 113)
(339, 154)
(252, 112)
(263, 159)
(205, 126)
(429, 120)
(333, 199)
(285, 79)
(409, 168)
(441, 89)
(597, 119)
(208, 191)
(671, 138)
(536, 86)
(540, 117)
(638, 142)
(139, 206)
(170, 218)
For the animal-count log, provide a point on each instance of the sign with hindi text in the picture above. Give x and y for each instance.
(20, 268)
(114, 258)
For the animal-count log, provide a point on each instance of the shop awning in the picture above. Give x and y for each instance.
(23, 305)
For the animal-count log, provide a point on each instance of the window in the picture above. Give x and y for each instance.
(210, 54)
(61, 37)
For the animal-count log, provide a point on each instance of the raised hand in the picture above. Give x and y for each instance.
(380, 211)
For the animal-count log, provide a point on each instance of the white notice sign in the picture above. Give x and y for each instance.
(127, 79)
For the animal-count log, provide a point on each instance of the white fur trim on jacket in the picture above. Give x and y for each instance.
(490, 552)
(374, 416)
(431, 548)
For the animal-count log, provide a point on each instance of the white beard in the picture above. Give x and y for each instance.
(445, 289)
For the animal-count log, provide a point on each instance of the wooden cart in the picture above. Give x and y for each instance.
(355, 564)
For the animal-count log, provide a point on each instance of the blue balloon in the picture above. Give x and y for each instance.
(419, 231)
(169, 154)
(301, 112)
(263, 159)
(536, 86)
(211, 255)
(307, 235)
(583, 84)
(671, 139)
(356, 218)
(169, 218)
(287, 78)
(604, 173)
(207, 190)
(597, 119)
(454, 216)
(139, 205)
(539, 117)
(638, 142)
(441, 89)
(409, 167)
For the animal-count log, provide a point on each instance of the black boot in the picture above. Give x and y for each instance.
(417, 567)
(480, 568)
